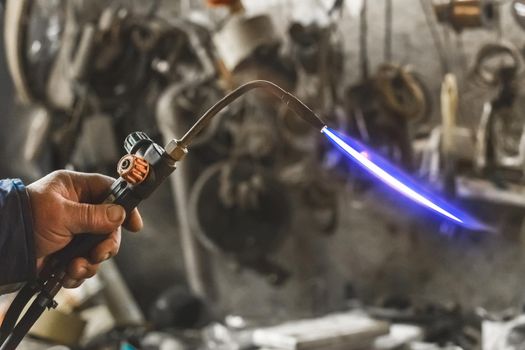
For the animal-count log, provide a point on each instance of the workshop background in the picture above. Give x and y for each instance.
(265, 222)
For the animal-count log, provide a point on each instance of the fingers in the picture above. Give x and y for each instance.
(94, 187)
(92, 218)
(81, 268)
(107, 249)
(134, 221)
(71, 283)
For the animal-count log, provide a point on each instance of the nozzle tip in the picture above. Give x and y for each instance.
(303, 111)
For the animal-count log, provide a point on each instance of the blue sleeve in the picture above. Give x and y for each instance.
(17, 246)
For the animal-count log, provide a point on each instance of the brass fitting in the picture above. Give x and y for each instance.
(176, 150)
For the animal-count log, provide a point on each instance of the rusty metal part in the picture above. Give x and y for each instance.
(464, 14)
(401, 92)
(133, 169)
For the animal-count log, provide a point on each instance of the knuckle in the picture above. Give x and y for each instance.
(90, 216)
(76, 283)
(60, 174)
(56, 173)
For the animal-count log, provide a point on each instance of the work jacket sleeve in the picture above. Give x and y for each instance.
(17, 246)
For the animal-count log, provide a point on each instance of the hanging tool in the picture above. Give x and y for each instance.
(501, 133)
(449, 110)
(147, 165)
(464, 14)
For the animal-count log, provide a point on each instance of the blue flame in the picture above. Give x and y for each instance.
(400, 181)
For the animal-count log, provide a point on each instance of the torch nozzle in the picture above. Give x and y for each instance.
(302, 111)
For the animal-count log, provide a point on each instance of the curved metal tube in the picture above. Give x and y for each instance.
(287, 98)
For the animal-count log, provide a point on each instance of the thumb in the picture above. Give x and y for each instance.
(93, 218)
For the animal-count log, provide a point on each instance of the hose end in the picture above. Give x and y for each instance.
(176, 150)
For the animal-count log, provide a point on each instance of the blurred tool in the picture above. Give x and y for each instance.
(501, 133)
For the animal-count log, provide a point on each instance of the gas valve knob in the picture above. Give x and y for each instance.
(135, 141)
(133, 169)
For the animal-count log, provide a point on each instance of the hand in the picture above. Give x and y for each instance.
(60, 209)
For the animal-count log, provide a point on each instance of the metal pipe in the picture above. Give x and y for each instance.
(287, 98)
